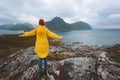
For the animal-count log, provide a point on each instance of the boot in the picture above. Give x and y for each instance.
(45, 72)
(46, 75)
(41, 73)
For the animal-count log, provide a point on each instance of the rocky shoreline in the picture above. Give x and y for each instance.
(75, 61)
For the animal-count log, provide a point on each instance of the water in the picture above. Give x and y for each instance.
(6, 32)
(88, 37)
(93, 37)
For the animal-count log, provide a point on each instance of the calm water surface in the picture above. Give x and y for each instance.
(93, 37)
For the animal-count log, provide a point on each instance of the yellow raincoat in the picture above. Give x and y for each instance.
(42, 45)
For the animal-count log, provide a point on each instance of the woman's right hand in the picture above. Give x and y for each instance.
(62, 37)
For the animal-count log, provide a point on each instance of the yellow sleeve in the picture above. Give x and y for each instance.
(52, 35)
(30, 33)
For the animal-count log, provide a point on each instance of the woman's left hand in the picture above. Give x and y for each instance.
(20, 35)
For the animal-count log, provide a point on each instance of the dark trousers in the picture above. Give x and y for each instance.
(40, 63)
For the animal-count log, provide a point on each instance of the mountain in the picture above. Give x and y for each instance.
(7, 26)
(18, 26)
(80, 26)
(58, 24)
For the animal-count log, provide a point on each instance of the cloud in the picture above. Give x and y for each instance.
(94, 12)
(114, 19)
(114, 16)
(27, 18)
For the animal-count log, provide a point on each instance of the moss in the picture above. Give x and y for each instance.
(16, 77)
(57, 57)
(4, 73)
(114, 52)
(12, 43)
(116, 58)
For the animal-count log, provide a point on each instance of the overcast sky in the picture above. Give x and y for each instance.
(98, 13)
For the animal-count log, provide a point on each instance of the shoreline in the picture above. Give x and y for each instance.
(10, 44)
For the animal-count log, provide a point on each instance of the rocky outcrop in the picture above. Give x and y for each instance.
(66, 62)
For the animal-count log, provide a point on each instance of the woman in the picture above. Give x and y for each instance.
(41, 45)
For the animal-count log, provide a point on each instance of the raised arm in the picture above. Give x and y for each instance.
(30, 33)
(53, 35)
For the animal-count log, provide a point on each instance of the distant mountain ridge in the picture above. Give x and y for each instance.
(80, 25)
(18, 26)
(56, 24)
